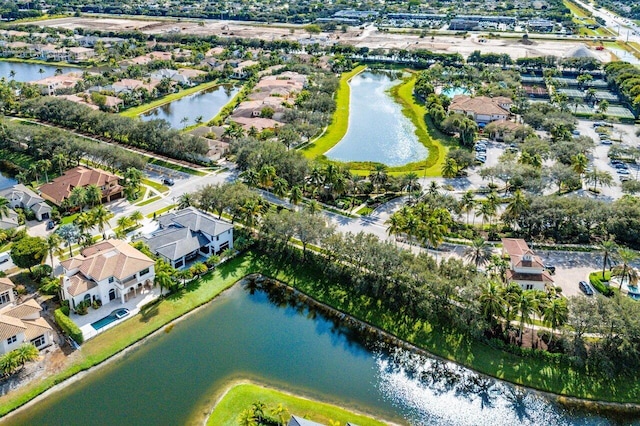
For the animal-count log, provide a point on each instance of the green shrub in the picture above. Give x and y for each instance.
(68, 326)
(596, 281)
(49, 286)
(65, 310)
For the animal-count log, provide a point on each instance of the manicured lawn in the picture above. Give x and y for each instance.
(577, 11)
(177, 167)
(136, 111)
(161, 211)
(148, 201)
(240, 397)
(68, 219)
(340, 121)
(155, 185)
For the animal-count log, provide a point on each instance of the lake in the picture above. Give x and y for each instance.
(6, 181)
(173, 377)
(206, 103)
(30, 72)
(378, 131)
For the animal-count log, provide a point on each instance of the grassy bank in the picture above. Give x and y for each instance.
(240, 397)
(136, 111)
(41, 62)
(114, 340)
(177, 167)
(340, 121)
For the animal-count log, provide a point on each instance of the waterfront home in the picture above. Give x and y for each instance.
(299, 421)
(128, 85)
(241, 70)
(482, 109)
(183, 76)
(106, 271)
(526, 269)
(19, 196)
(60, 188)
(49, 85)
(148, 58)
(79, 54)
(21, 323)
(257, 123)
(79, 100)
(18, 49)
(188, 233)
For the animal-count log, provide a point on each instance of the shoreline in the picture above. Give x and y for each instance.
(41, 62)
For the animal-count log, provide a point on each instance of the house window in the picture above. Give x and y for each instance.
(529, 287)
(12, 339)
(217, 237)
(144, 272)
(4, 298)
(39, 341)
(110, 280)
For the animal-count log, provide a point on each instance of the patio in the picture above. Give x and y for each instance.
(133, 304)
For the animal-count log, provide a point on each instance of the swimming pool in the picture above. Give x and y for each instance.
(450, 92)
(113, 316)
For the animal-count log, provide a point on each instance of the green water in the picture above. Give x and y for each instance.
(172, 378)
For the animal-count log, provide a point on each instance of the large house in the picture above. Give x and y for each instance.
(526, 269)
(187, 233)
(19, 196)
(482, 109)
(60, 188)
(49, 85)
(106, 271)
(21, 323)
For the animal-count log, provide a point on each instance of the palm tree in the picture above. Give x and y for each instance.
(185, 200)
(491, 302)
(250, 212)
(45, 166)
(410, 182)
(77, 197)
(70, 233)
(101, 217)
(396, 224)
(84, 221)
(579, 163)
(280, 187)
(625, 271)
(296, 195)
(516, 207)
(608, 248)
(53, 242)
(4, 207)
(378, 176)
(487, 211)
(124, 223)
(136, 217)
(556, 314)
(449, 168)
(526, 304)
(266, 175)
(61, 160)
(162, 279)
(313, 207)
(93, 195)
(26, 353)
(479, 253)
(467, 203)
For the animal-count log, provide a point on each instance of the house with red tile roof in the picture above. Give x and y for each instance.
(60, 188)
(526, 269)
(482, 109)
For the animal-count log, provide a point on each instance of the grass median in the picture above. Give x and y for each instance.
(241, 397)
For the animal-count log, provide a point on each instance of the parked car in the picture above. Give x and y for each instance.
(551, 268)
(586, 288)
(50, 225)
(614, 162)
(576, 133)
(168, 181)
(622, 171)
(4, 257)
(606, 142)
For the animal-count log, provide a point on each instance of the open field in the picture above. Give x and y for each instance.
(370, 37)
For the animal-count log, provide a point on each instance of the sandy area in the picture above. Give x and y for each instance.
(369, 37)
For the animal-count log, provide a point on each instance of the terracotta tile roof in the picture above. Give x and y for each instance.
(79, 284)
(515, 276)
(10, 326)
(26, 309)
(36, 328)
(6, 284)
(60, 188)
(479, 105)
(515, 246)
(110, 258)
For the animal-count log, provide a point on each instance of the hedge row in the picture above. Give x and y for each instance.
(596, 281)
(68, 326)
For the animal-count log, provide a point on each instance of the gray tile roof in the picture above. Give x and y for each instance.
(173, 243)
(299, 421)
(195, 220)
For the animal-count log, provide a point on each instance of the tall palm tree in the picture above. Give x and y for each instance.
(626, 271)
(579, 163)
(379, 176)
(492, 302)
(185, 200)
(555, 314)
(101, 218)
(162, 279)
(93, 195)
(296, 195)
(479, 253)
(266, 175)
(468, 203)
(396, 224)
(487, 211)
(280, 187)
(45, 166)
(84, 221)
(4, 207)
(136, 217)
(526, 305)
(53, 243)
(516, 207)
(608, 248)
(77, 197)
(61, 160)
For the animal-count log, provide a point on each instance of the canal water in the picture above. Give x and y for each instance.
(184, 111)
(172, 378)
(6, 181)
(378, 131)
(30, 72)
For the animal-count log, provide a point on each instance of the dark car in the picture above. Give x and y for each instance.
(551, 268)
(586, 288)
(168, 181)
(50, 225)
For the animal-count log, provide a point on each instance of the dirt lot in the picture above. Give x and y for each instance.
(368, 37)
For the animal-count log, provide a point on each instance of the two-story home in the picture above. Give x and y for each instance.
(526, 269)
(187, 233)
(24, 198)
(106, 271)
(482, 109)
(60, 188)
(21, 323)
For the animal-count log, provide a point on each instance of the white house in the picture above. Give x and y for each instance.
(24, 198)
(106, 271)
(187, 233)
(527, 269)
(21, 323)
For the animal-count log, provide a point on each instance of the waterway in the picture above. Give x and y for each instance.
(623, 55)
(173, 377)
(184, 111)
(25, 71)
(6, 181)
(378, 131)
